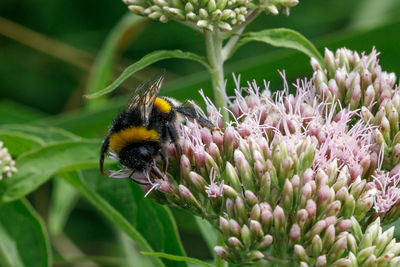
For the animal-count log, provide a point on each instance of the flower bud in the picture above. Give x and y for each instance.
(301, 217)
(300, 253)
(211, 164)
(188, 197)
(251, 198)
(329, 237)
(338, 248)
(185, 168)
(229, 192)
(244, 169)
(316, 245)
(265, 186)
(332, 209)
(295, 233)
(215, 153)
(383, 240)
(230, 208)
(395, 262)
(279, 219)
(240, 210)
(370, 262)
(265, 242)
(330, 63)
(235, 243)
(311, 208)
(255, 255)
(349, 206)
(321, 261)
(246, 236)
(255, 212)
(222, 252)
(317, 228)
(343, 225)
(232, 177)
(287, 195)
(370, 234)
(266, 218)
(224, 227)
(256, 229)
(198, 181)
(235, 227)
(364, 254)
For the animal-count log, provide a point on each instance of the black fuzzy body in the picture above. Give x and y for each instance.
(138, 156)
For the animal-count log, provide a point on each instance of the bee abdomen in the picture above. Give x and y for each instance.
(133, 134)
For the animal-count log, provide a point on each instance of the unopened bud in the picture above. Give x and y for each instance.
(235, 227)
(251, 198)
(338, 248)
(188, 197)
(329, 237)
(255, 255)
(240, 210)
(279, 219)
(221, 252)
(295, 232)
(265, 242)
(246, 236)
(224, 227)
(244, 169)
(198, 181)
(300, 253)
(321, 261)
(316, 245)
(235, 243)
(256, 229)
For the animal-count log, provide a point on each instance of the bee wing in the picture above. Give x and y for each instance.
(144, 95)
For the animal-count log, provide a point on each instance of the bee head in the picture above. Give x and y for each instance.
(137, 158)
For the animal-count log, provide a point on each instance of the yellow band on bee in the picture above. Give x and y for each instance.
(162, 105)
(134, 134)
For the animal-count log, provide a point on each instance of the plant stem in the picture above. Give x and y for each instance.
(213, 41)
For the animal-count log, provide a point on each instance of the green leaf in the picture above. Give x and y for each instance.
(23, 237)
(281, 37)
(36, 167)
(13, 112)
(150, 225)
(102, 69)
(18, 143)
(131, 252)
(146, 61)
(64, 198)
(208, 232)
(177, 258)
(48, 135)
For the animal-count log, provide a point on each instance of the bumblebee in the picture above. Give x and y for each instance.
(139, 133)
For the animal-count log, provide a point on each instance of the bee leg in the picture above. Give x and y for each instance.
(137, 181)
(190, 112)
(174, 137)
(103, 151)
(164, 160)
(157, 173)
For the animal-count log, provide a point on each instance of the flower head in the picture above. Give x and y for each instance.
(7, 164)
(208, 14)
(295, 172)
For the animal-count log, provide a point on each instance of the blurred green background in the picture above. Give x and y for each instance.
(48, 50)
